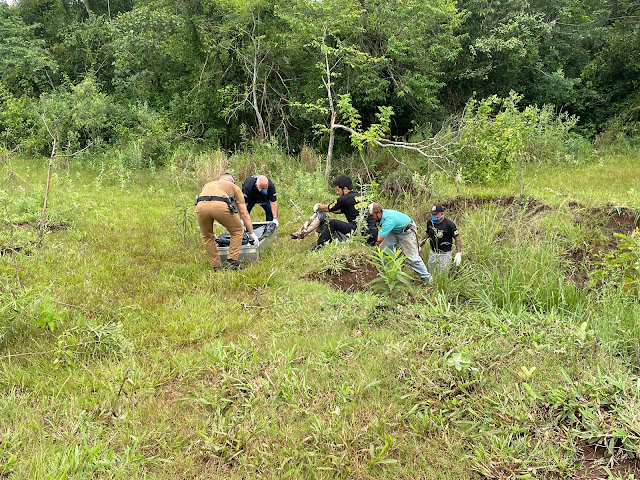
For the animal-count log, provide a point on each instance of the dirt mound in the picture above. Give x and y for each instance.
(351, 279)
(595, 463)
(457, 206)
(622, 220)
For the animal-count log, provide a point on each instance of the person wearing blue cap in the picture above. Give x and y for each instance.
(441, 233)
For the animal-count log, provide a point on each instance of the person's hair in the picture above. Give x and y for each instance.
(227, 174)
(260, 177)
(343, 181)
(375, 208)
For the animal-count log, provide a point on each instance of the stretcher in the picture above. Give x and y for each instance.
(251, 253)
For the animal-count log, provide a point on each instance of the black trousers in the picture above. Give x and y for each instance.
(331, 228)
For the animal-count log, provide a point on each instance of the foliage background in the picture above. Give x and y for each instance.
(223, 73)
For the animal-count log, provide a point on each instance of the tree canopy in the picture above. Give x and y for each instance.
(228, 71)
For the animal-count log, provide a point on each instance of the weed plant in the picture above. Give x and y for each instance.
(392, 280)
(125, 356)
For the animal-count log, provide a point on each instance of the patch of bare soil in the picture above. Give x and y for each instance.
(49, 226)
(516, 204)
(353, 279)
(594, 464)
(622, 220)
(618, 220)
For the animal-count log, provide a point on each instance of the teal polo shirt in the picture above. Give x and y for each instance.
(392, 221)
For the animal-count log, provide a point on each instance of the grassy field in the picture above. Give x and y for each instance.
(123, 355)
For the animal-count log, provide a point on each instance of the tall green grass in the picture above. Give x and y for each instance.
(124, 356)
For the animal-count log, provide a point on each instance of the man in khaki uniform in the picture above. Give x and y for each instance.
(212, 204)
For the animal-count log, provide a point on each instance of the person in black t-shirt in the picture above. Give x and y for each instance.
(349, 203)
(260, 190)
(441, 233)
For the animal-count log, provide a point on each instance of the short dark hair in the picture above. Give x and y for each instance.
(233, 180)
(343, 181)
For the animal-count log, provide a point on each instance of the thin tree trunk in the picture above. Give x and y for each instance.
(332, 139)
(254, 82)
(254, 95)
(43, 217)
(334, 114)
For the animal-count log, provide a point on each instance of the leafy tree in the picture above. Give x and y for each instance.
(25, 66)
(87, 48)
(149, 51)
(328, 31)
(253, 42)
(418, 40)
(615, 69)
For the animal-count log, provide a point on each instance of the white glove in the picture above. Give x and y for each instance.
(275, 220)
(316, 207)
(457, 259)
(254, 239)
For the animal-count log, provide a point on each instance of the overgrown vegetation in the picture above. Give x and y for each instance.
(130, 358)
(148, 79)
(124, 356)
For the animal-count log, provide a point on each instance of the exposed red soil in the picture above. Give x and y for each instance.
(618, 220)
(353, 279)
(594, 464)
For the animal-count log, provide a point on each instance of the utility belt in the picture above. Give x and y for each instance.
(410, 226)
(230, 201)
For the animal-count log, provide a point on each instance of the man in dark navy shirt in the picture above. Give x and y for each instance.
(260, 190)
(441, 233)
(351, 204)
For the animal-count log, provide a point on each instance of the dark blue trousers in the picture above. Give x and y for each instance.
(267, 209)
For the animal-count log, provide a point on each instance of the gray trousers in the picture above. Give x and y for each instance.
(440, 261)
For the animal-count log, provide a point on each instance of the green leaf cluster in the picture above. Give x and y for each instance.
(621, 268)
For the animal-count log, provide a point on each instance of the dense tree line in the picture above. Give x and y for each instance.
(225, 71)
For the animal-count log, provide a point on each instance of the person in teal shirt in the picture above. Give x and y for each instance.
(398, 230)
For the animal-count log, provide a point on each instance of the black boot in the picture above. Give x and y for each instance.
(234, 265)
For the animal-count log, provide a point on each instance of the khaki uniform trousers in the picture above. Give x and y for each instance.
(207, 212)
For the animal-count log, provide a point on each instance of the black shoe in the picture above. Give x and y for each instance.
(218, 268)
(234, 265)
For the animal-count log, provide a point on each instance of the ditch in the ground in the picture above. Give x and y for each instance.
(617, 220)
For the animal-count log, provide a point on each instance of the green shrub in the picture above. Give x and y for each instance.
(393, 280)
(621, 268)
(495, 136)
(19, 123)
(78, 117)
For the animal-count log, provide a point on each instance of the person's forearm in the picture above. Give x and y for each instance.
(274, 209)
(246, 218)
(458, 245)
(379, 240)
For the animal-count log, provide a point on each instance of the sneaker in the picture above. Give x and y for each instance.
(218, 268)
(234, 265)
(299, 235)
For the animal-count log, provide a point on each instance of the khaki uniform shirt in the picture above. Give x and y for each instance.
(222, 188)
